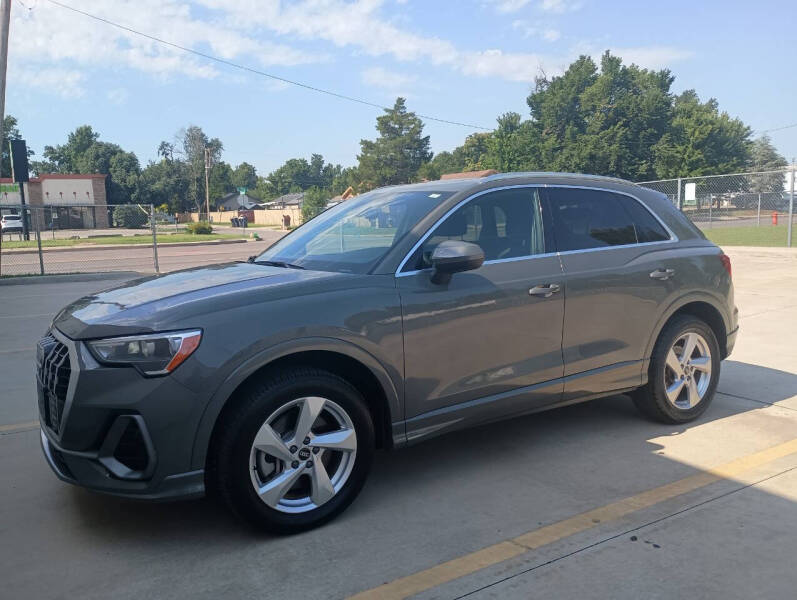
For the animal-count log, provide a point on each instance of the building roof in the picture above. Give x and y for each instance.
(237, 200)
(294, 199)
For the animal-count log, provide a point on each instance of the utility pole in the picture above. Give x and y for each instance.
(5, 21)
(791, 203)
(207, 185)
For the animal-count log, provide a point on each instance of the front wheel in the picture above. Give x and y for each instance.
(683, 374)
(296, 452)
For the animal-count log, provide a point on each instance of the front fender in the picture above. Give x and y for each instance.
(269, 355)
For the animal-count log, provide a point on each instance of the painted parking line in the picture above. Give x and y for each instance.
(416, 583)
(18, 427)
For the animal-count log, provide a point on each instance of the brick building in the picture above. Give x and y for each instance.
(61, 201)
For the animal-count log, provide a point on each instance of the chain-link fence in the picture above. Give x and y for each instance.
(742, 209)
(40, 240)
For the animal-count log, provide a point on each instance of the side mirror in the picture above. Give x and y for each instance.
(454, 256)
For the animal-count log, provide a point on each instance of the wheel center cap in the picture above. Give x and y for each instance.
(304, 453)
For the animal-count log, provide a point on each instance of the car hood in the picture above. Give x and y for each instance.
(148, 304)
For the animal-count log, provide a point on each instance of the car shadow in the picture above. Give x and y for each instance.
(578, 448)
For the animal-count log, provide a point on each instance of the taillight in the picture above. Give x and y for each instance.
(726, 262)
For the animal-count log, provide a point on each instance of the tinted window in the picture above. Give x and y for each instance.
(505, 224)
(585, 219)
(648, 229)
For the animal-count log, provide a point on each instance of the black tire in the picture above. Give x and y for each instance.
(651, 399)
(229, 473)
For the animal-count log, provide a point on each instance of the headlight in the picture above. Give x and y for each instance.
(156, 354)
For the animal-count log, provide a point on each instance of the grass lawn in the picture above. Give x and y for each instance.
(163, 238)
(766, 235)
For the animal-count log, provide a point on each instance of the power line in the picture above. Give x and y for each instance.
(257, 71)
(777, 128)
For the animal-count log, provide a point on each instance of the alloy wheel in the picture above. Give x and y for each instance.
(303, 454)
(687, 370)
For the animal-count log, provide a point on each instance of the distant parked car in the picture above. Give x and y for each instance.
(11, 224)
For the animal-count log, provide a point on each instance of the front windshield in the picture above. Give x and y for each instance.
(354, 235)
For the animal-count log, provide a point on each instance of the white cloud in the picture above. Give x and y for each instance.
(560, 6)
(62, 83)
(528, 30)
(390, 80)
(51, 35)
(65, 46)
(495, 63)
(117, 95)
(508, 6)
(651, 57)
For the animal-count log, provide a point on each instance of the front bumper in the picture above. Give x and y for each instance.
(113, 430)
(86, 469)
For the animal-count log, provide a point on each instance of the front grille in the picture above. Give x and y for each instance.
(53, 379)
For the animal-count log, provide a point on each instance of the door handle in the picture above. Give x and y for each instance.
(662, 274)
(545, 291)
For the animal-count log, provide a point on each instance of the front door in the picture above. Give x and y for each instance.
(488, 343)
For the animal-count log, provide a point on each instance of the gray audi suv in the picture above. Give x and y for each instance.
(395, 316)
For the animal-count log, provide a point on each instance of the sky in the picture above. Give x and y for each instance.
(460, 60)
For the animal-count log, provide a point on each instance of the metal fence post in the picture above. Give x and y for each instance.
(791, 206)
(680, 200)
(710, 207)
(39, 244)
(758, 216)
(154, 237)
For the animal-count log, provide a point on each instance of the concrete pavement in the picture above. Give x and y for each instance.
(728, 535)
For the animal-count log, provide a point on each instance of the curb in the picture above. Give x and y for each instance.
(84, 247)
(73, 278)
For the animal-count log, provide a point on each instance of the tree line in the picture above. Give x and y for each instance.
(608, 119)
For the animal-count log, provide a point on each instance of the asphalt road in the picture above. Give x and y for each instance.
(588, 501)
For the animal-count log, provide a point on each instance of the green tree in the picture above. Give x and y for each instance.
(398, 152)
(600, 121)
(192, 141)
(84, 152)
(764, 157)
(124, 171)
(244, 176)
(314, 202)
(166, 182)
(701, 140)
(221, 182)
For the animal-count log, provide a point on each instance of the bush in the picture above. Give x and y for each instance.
(130, 216)
(200, 228)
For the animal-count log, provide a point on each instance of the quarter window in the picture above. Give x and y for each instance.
(504, 223)
(648, 229)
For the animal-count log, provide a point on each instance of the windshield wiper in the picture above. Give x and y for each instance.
(274, 263)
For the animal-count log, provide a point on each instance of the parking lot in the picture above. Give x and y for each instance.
(587, 501)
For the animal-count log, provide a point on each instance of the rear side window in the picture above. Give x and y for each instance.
(648, 229)
(584, 219)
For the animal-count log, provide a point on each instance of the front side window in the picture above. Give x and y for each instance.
(504, 223)
(354, 235)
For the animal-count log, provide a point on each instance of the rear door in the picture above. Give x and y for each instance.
(618, 272)
(482, 346)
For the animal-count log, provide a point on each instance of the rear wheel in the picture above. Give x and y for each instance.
(683, 373)
(296, 452)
